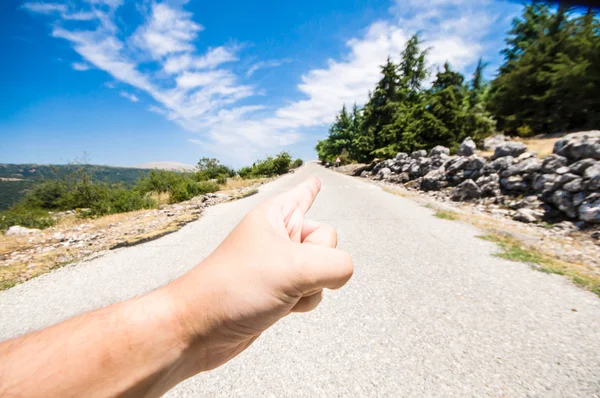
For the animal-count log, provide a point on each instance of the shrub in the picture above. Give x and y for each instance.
(297, 163)
(47, 195)
(222, 179)
(210, 168)
(25, 217)
(187, 189)
(120, 200)
(271, 166)
(207, 187)
(158, 181)
(245, 172)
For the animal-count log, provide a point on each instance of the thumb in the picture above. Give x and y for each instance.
(317, 267)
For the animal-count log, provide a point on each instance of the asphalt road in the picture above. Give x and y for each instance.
(429, 311)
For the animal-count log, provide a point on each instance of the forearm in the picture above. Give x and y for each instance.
(134, 348)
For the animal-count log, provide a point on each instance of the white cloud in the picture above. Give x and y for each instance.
(45, 8)
(263, 65)
(213, 58)
(189, 80)
(80, 66)
(61, 9)
(129, 96)
(167, 31)
(156, 109)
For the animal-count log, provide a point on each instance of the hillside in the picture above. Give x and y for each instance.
(17, 179)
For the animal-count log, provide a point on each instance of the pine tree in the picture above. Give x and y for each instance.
(446, 104)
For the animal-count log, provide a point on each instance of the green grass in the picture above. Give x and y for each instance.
(446, 215)
(515, 250)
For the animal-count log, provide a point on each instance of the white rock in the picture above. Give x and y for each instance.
(17, 230)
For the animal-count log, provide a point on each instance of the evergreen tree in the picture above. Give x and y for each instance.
(446, 104)
(479, 121)
(380, 110)
(549, 82)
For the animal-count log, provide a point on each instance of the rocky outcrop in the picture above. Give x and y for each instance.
(490, 143)
(467, 147)
(565, 183)
(584, 145)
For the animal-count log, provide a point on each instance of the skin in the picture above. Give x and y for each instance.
(273, 263)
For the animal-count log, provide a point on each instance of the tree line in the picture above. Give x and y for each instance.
(548, 83)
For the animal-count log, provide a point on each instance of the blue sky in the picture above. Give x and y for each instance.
(130, 82)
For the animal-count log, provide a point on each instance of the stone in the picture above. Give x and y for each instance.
(529, 202)
(502, 163)
(527, 215)
(17, 230)
(527, 166)
(467, 147)
(486, 179)
(543, 182)
(383, 174)
(491, 188)
(418, 154)
(595, 235)
(581, 166)
(434, 180)
(581, 145)
(401, 156)
(459, 163)
(575, 185)
(438, 151)
(563, 200)
(475, 163)
(562, 179)
(468, 189)
(553, 162)
(59, 236)
(562, 170)
(365, 174)
(514, 183)
(510, 148)
(589, 210)
(592, 172)
(525, 155)
(578, 198)
(401, 178)
(490, 143)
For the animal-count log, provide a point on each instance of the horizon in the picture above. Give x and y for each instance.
(146, 81)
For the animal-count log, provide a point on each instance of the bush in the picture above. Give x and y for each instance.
(207, 187)
(222, 179)
(120, 200)
(47, 195)
(269, 167)
(297, 163)
(25, 217)
(158, 181)
(210, 168)
(245, 172)
(187, 189)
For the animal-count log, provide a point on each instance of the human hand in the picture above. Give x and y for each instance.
(273, 263)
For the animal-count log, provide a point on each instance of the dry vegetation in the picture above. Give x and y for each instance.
(21, 258)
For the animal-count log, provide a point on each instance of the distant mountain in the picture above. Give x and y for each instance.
(17, 179)
(175, 166)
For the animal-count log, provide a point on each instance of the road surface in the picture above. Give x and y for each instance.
(429, 311)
